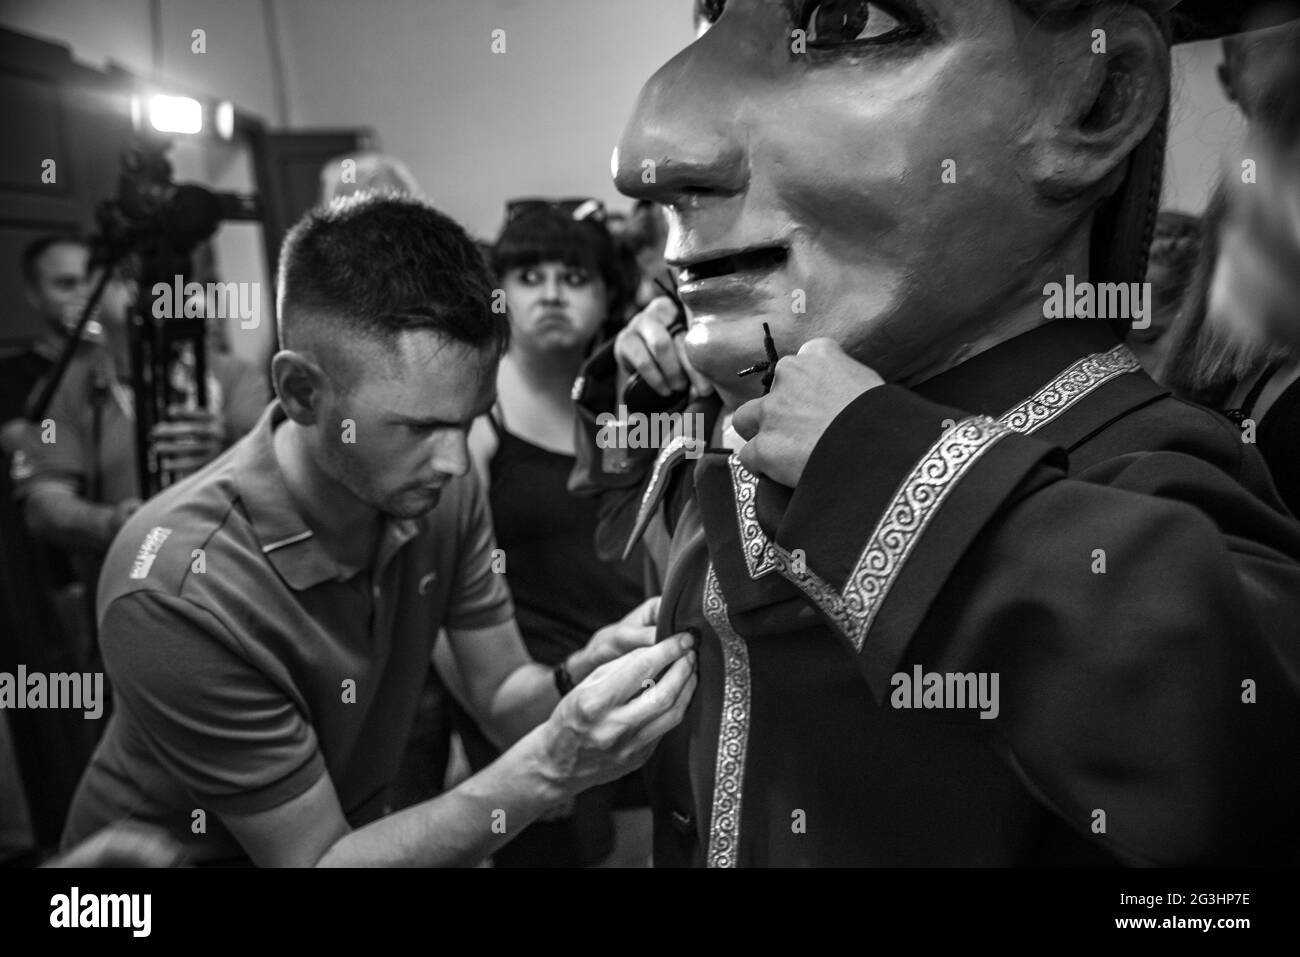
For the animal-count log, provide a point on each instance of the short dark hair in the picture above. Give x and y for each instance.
(379, 264)
(34, 250)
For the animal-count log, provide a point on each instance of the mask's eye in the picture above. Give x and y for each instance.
(530, 277)
(835, 22)
(577, 278)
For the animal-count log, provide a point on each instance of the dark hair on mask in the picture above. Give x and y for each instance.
(376, 265)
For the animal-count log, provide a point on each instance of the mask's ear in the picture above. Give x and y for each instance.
(299, 384)
(1108, 86)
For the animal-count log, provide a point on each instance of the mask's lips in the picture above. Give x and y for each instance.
(761, 258)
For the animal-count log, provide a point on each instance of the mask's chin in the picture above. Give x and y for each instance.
(718, 351)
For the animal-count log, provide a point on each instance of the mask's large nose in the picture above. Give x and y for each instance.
(683, 139)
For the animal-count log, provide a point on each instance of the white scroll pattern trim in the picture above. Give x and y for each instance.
(1069, 387)
(733, 738)
(854, 609)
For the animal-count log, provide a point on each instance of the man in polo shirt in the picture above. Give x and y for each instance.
(267, 623)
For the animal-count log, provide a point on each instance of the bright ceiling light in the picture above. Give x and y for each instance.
(175, 114)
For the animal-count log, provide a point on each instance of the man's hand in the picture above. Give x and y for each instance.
(634, 630)
(188, 440)
(123, 844)
(808, 391)
(609, 724)
(644, 346)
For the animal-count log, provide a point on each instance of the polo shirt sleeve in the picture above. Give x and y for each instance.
(66, 458)
(479, 597)
(233, 739)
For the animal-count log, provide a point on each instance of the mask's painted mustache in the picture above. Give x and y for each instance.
(768, 257)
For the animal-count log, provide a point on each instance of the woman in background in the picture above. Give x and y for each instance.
(559, 269)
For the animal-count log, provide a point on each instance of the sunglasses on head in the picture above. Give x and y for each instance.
(579, 210)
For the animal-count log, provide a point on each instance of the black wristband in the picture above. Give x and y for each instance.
(563, 680)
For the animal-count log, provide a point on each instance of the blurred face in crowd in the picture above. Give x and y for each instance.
(554, 306)
(909, 177)
(59, 288)
(393, 419)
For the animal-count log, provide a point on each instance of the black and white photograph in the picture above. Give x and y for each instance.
(649, 434)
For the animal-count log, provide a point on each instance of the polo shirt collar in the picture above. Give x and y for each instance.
(285, 539)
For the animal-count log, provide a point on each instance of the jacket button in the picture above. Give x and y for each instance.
(683, 823)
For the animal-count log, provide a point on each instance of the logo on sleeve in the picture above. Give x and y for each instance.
(149, 551)
(21, 470)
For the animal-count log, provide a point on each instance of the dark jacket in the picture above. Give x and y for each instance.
(1043, 512)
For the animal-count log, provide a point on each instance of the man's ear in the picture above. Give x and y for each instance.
(1110, 83)
(298, 383)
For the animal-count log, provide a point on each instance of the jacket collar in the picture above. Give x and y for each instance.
(1037, 383)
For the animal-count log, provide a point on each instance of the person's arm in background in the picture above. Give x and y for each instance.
(57, 515)
(48, 477)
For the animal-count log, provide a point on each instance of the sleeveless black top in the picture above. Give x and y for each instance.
(562, 592)
(562, 595)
